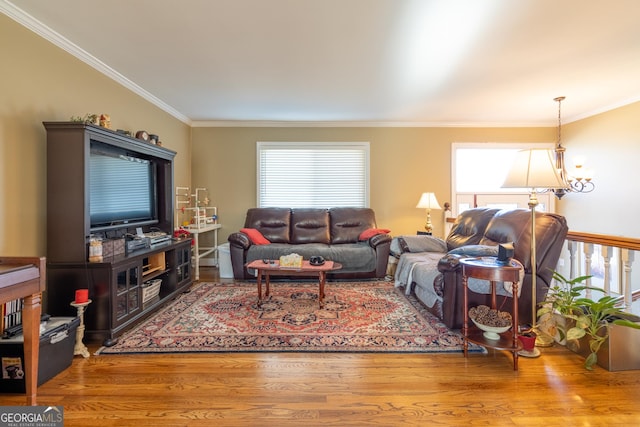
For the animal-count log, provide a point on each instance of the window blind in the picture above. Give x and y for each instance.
(313, 175)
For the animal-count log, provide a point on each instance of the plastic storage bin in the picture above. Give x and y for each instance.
(224, 261)
(56, 354)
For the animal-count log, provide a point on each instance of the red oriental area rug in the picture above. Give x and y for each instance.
(357, 317)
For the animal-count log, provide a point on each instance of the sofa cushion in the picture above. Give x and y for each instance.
(370, 232)
(348, 223)
(255, 236)
(352, 256)
(309, 226)
(273, 223)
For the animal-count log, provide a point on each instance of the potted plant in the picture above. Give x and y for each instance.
(559, 303)
(569, 317)
(595, 322)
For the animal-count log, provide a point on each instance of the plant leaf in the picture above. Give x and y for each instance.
(591, 360)
(575, 333)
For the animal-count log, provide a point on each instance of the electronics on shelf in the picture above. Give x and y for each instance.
(135, 243)
(156, 237)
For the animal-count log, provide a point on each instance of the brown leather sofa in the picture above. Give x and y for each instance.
(477, 232)
(331, 233)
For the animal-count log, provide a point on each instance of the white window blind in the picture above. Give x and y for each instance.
(313, 175)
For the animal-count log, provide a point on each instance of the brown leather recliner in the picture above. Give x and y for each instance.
(483, 226)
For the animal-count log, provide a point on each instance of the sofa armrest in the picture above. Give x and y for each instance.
(240, 240)
(380, 244)
(379, 239)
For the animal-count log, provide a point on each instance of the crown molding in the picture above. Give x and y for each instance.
(57, 39)
(628, 101)
(362, 124)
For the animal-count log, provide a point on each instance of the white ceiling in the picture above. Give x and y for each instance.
(350, 62)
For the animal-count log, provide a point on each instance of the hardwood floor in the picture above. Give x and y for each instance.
(294, 389)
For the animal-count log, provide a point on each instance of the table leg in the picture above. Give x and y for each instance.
(465, 309)
(266, 282)
(259, 282)
(494, 300)
(31, 311)
(196, 253)
(515, 324)
(322, 276)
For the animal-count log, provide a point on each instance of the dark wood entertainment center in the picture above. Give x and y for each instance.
(115, 284)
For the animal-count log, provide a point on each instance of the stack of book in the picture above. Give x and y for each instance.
(10, 315)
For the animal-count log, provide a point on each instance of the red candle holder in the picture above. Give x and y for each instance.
(82, 296)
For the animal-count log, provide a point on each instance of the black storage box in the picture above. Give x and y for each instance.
(57, 342)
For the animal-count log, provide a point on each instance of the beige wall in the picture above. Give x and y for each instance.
(40, 82)
(610, 142)
(407, 161)
(404, 163)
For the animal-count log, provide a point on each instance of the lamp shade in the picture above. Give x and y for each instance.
(428, 201)
(534, 168)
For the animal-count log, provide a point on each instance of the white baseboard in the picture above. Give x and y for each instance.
(208, 262)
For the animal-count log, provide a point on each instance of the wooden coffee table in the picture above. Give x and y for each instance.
(308, 270)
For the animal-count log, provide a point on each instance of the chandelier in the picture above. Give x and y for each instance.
(580, 179)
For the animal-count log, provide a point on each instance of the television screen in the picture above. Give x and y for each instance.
(121, 188)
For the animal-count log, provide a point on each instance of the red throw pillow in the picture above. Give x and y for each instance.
(369, 233)
(255, 236)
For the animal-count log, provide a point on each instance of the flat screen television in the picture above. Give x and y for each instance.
(122, 189)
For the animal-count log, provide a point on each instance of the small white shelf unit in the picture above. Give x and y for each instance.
(195, 216)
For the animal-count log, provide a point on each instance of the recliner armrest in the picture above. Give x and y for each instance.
(450, 263)
(239, 239)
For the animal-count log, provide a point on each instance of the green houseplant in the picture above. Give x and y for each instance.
(559, 303)
(587, 317)
(594, 322)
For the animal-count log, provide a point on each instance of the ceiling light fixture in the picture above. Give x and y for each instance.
(580, 181)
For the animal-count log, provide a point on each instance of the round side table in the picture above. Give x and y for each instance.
(488, 268)
(80, 348)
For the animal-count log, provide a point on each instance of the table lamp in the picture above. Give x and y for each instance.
(535, 170)
(428, 201)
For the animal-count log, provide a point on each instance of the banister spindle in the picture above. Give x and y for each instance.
(588, 254)
(627, 256)
(571, 246)
(606, 252)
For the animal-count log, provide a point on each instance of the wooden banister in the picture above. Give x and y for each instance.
(605, 240)
(627, 245)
